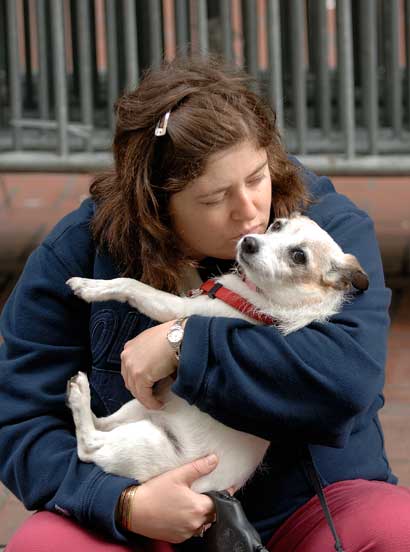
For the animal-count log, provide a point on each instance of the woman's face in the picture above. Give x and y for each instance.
(232, 198)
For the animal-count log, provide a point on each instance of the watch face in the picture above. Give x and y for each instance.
(176, 335)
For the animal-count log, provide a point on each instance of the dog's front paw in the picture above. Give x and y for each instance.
(89, 290)
(78, 391)
(81, 287)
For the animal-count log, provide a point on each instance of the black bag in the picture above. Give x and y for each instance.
(231, 531)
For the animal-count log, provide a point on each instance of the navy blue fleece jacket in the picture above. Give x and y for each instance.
(321, 385)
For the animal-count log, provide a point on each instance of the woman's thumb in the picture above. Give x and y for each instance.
(198, 468)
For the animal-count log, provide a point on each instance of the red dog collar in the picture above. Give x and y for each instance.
(215, 290)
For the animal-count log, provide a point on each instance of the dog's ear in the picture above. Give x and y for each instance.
(346, 272)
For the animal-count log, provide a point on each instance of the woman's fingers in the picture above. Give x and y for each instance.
(146, 359)
(166, 508)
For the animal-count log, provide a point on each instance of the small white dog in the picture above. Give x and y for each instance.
(299, 274)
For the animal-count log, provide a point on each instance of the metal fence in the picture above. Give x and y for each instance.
(336, 72)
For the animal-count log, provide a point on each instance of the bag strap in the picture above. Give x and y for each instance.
(316, 482)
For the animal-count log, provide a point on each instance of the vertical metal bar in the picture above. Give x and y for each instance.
(49, 54)
(407, 39)
(345, 68)
(181, 25)
(43, 96)
(86, 84)
(155, 27)
(251, 38)
(275, 61)
(14, 71)
(226, 27)
(323, 68)
(112, 58)
(131, 45)
(75, 75)
(59, 70)
(95, 75)
(3, 59)
(392, 66)
(369, 97)
(202, 27)
(297, 26)
(29, 87)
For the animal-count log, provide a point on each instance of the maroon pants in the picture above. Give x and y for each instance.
(370, 516)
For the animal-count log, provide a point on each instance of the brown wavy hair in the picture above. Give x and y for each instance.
(212, 109)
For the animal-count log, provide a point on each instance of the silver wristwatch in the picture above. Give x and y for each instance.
(175, 336)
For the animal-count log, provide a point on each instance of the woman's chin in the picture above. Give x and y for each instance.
(227, 253)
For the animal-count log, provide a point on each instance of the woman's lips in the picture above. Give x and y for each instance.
(254, 230)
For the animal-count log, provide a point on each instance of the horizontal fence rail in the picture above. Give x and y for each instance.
(336, 72)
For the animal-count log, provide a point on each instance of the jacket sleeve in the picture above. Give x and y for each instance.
(310, 385)
(45, 333)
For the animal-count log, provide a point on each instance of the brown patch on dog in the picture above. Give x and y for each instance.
(355, 274)
(347, 273)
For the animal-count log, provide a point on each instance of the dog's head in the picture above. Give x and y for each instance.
(296, 251)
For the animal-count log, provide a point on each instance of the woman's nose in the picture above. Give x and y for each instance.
(244, 208)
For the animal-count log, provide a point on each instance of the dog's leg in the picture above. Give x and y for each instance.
(158, 305)
(78, 399)
(138, 449)
(131, 411)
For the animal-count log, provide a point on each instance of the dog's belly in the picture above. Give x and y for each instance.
(194, 434)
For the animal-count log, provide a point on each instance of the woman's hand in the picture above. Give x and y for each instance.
(145, 360)
(165, 508)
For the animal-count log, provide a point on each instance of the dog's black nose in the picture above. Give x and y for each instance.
(250, 245)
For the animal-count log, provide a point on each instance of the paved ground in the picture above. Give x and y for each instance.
(31, 204)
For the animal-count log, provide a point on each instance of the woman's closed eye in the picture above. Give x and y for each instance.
(214, 201)
(256, 180)
(219, 198)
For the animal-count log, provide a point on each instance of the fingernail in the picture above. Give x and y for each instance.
(212, 460)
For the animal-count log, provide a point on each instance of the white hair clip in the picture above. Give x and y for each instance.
(162, 124)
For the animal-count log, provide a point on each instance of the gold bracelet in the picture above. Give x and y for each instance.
(130, 497)
(124, 507)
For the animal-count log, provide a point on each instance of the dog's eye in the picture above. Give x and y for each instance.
(298, 256)
(275, 226)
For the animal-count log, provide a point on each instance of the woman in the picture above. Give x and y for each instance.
(198, 163)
